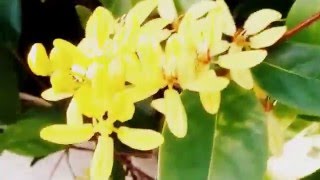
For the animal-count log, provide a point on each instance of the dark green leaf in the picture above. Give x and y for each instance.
(118, 7)
(83, 14)
(10, 17)
(300, 11)
(188, 157)
(118, 172)
(9, 94)
(240, 148)
(23, 137)
(291, 75)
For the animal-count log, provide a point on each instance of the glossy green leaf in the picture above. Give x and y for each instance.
(83, 14)
(188, 158)
(118, 7)
(23, 137)
(300, 11)
(240, 148)
(10, 22)
(9, 94)
(291, 75)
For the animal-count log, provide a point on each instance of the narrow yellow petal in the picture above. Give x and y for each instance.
(242, 60)
(229, 26)
(102, 161)
(38, 60)
(167, 10)
(219, 47)
(100, 25)
(67, 134)
(139, 93)
(141, 139)
(74, 116)
(210, 101)
(208, 82)
(242, 77)
(201, 8)
(259, 20)
(267, 37)
(175, 114)
(132, 68)
(142, 10)
(51, 95)
(155, 24)
(159, 105)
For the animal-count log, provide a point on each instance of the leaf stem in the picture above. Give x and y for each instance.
(302, 25)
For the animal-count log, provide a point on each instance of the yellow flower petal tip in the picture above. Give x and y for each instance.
(242, 77)
(51, 95)
(38, 60)
(242, 60)
(175, 114)
(259, 20)
(167, 10)
(67, 134)
(211, 101)
(102, 161)
(267, 37)
(142, 139)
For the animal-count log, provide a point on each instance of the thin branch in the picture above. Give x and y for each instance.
(55, 167)
(35, 100)
(304, 24)
(81, 148)
(69, 163)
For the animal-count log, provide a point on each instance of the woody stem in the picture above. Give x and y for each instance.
(302, 25)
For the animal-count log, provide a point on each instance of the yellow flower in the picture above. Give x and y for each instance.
(252, 36)
(102, 161)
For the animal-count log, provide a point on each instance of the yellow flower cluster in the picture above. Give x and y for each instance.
(122, 61)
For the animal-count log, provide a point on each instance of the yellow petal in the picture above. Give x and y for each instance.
(167, 10)
(267, 37)
(141, 10)
(229, 26)
(155, 24)
(141, 139)
(208, 82)
(139, 93)
(175, 113)
(122, 107)
(74, 116)
(68, 50)
(62, 81)
(67, 134)
(100, 25)
(102, 161)
(159, 105)
(60, 59)
(38, 60)
(200, 9)
(51, 95)
(132, 68)
(210, 101)
(259, 20)
(219, 47)
(242, 77)
(242, 60)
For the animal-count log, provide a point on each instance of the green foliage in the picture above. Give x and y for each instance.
(290, 75)
(300, 11)
(84, 14)
(24, 137)
(189, 157)
(240, 148)
(118, 7)
(238, 127)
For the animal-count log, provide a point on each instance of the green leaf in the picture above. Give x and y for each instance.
(10, 22)
(300, 11)
(188, 157)
(9, 94)
(23, 137)
(240, 148)
(291, 75)
(83, 14)
(118, 172)
(118, 7)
